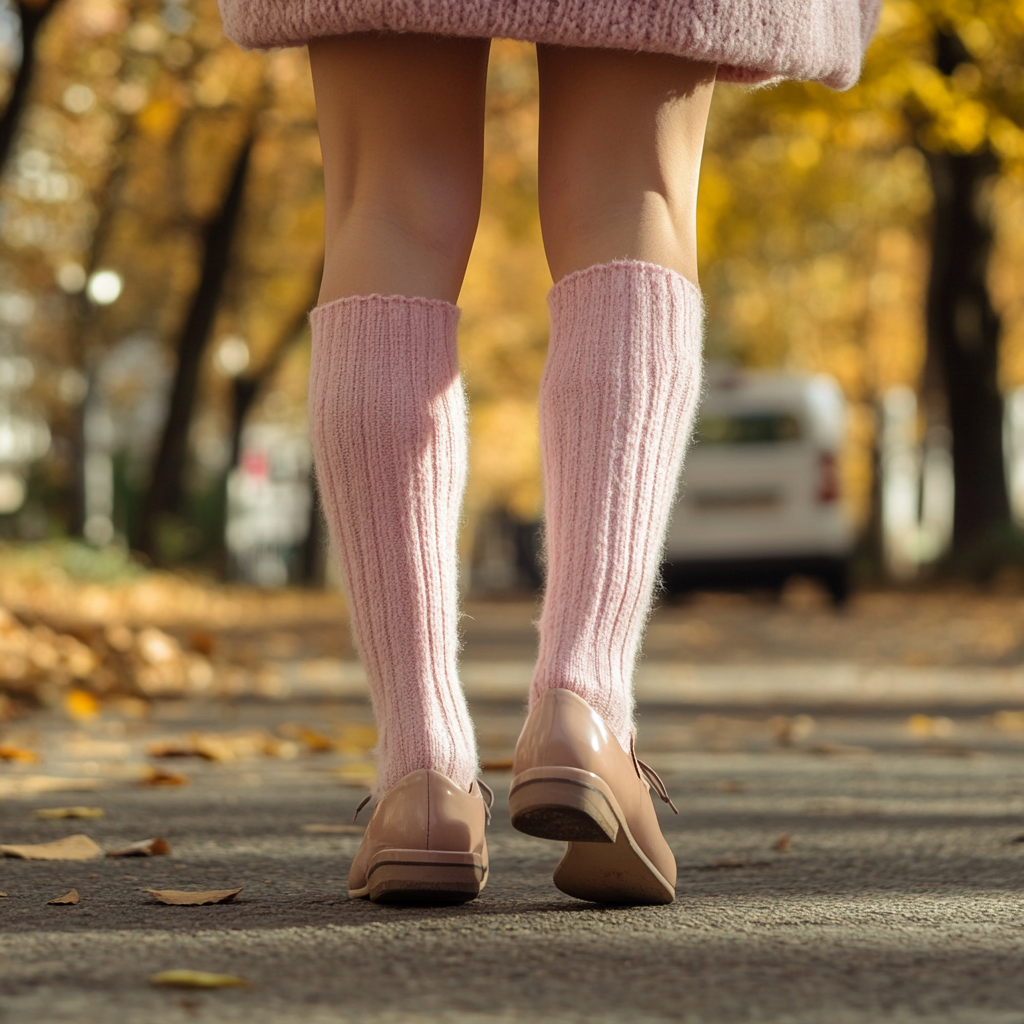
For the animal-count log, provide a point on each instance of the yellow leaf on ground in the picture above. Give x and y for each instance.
(356, 739)
(196, 979)
(158, 777)
(31, 785)
(81, 705)
(78, 847)
(143, 848)
(357, 774)
(3, 894)
(316, 742)
(177, 898)
(730, 786)
(335, 830)
(1008, 721)
(70, 899)
(56, 813)
(928, 725)
(223, 746)
(20, 755)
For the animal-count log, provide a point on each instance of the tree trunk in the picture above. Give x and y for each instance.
(165, 487)
(33, 16)
(246, 388)
(963, 334)
(963, 337)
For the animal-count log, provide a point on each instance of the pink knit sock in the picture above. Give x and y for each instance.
(388, 419)
(616, 406)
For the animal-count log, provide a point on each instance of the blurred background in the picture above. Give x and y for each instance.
(160, 247)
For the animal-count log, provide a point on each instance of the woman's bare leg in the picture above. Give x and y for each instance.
(401, 129)
(621, 136)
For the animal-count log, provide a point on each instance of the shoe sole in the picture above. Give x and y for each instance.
(603, 862)
(423, 877)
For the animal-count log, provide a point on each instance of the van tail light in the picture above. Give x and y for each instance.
(828, 478)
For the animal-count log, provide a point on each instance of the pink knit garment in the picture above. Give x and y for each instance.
(749, 40)
(617, 401)
(388, 422)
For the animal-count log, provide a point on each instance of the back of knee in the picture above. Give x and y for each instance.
(427, 214)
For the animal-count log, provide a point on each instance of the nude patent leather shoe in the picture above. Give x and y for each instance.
(572, 781)
(424, 844)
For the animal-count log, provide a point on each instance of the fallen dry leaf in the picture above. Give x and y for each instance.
(357, 775)
(838, 749)
(20, 755)
(196, 979)
(81, 705)
(356, 739)
(203, 642)
(224, 746)
(32, 785)
(56, 813)
(730, 786)
(316, 742)
(143, 848)
(120, 637)
(171, 748)
(952, 750)
(104, 750)
(501, 765)
(731, 863)
(177, 898)
(70, 899)
(782, 843)
(790, 731)
(2, 894)
(929, 725)
(1008, 721)
(159, 777)
(78, 847)
(335, 830)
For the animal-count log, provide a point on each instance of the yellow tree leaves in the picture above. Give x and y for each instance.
(813, 214)
(814, 217)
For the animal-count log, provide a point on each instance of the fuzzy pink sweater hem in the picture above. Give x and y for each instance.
(751, 40)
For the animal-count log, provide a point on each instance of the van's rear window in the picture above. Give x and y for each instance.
(754, 428)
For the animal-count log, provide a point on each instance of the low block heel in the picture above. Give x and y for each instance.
(567, 805)
(425, 877)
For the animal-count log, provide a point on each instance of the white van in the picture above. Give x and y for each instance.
(760, 495)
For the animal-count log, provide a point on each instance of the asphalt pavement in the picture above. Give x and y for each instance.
(836, 865)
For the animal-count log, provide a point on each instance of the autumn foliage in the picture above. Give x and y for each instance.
(815, 224)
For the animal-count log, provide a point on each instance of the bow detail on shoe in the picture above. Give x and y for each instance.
(488, 798)
(362, 804)
(646, 771)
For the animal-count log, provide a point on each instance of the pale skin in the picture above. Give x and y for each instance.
(401, 122)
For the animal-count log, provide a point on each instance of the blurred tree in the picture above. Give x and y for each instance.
(247, 386)
(815, 221)
(963, 326)
(164, 493)
(133, 133)
(852, 232)
(32, 15)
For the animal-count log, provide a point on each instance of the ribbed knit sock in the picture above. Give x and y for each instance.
(388, 422)
(617, 401)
